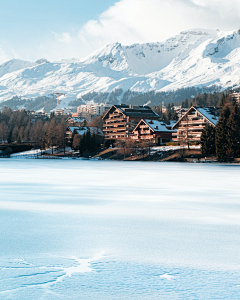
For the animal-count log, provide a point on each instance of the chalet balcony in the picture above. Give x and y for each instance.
(191, 128)
(117, 129)
(113, 116)
(144, 132)
(116, 123)
(194, 122)
(190, 138)
(116, 118)
(115, 136)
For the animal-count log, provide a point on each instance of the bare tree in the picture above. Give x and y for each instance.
(126, 147)
(3, 131)
(76, 142)
(52, 134)
(61, 135)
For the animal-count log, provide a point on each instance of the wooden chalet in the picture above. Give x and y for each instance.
(120, 120)
(154, 131)
(189, 127)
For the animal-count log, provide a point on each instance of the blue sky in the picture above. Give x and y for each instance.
(56, 29)
(22, 21)
(21, 18)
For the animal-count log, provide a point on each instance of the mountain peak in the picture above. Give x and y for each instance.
(14, 65)
(42, 61)
(194, 58)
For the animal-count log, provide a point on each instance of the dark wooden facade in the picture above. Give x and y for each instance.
(189, 127)
(154, 131)
(120, 120)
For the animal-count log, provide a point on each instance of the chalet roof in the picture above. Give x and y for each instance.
(135, 111)
(76, 119)
(82, 130)
(72, 128)
(155, 125)
(207, 112)
(171, 123)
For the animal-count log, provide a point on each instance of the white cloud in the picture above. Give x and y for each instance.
(131, 21)
(138, 21)
(64, 38)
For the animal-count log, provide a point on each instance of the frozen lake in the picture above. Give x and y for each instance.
(74, 229)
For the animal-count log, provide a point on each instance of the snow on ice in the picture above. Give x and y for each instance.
(118, 230)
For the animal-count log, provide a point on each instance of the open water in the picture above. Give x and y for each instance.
(72, 229)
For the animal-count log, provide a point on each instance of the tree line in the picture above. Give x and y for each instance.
(21, 127)
(224, 139)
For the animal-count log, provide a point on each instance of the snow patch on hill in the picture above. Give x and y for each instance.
(197, 57)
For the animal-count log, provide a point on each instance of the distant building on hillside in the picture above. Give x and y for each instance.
(180, 111)
(63, 111)
(80, 130)
(38, 115)
(93, 109)
(120, 120)
(74, 121)
(189, 127)
(236, 96)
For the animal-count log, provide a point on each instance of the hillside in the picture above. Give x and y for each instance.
(198, 59)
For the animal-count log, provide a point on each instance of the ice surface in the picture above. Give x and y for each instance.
(74, 229)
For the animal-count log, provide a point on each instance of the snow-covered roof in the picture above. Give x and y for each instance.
(172, 123)
(157, 125)
(206, 112)
(82, 130)
(72, 128)
(134, 111)
(77, 119)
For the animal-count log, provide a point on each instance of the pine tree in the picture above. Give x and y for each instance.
(208, 140)
(233, 133)
(222, 147)
(222, 100)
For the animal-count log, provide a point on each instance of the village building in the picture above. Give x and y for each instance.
(63, 111)
(120, 120)
(181, 111)
(80, 130)
(38, 115)
(75, 121)
(94, 109)
(154, 131)
(189, 127)
(236, 96)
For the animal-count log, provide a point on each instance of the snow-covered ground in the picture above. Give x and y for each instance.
(37, 152)
(74, 229)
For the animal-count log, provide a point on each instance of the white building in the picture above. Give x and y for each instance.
(93, 109)
(63, 111)
(236, 96)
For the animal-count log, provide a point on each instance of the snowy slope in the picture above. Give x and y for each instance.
(193, 58)
(14, 65)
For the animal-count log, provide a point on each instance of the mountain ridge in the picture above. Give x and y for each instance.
(194, 58)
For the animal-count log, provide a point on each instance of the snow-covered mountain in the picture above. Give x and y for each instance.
(200, 58)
